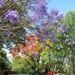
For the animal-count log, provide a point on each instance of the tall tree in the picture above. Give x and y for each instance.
(69, 21)
(13, 21)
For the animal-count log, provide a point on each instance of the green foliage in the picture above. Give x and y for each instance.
(23, 65)
(69, 20)
(4, 62)
(59, 52)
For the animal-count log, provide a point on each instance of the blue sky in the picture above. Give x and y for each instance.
(62, 5)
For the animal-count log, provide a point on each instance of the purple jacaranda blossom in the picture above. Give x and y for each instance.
(54, 12)
(34, 55)
(55, 15)
(39, 2)
(50, 29)
(61, 29)
(47, 37)
(55, 23)
(44, 10)
(38, 11)
(46, 32)
(1, 3)
(59, 16)
(11, 16)
(52, 36)
(12, 0)
(42, 6)
(47, 24)
(35, 15)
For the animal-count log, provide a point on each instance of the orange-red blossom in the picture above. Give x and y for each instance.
(28, 47)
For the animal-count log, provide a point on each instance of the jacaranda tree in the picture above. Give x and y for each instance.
(29, 50)
(14, 21)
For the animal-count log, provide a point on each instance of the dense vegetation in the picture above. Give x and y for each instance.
(37, 39)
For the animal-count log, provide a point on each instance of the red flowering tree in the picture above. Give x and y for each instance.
(30, 49)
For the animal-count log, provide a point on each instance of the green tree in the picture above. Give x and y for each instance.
(59, 60)
(4, 62)
(69, 20)
(23, 65)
